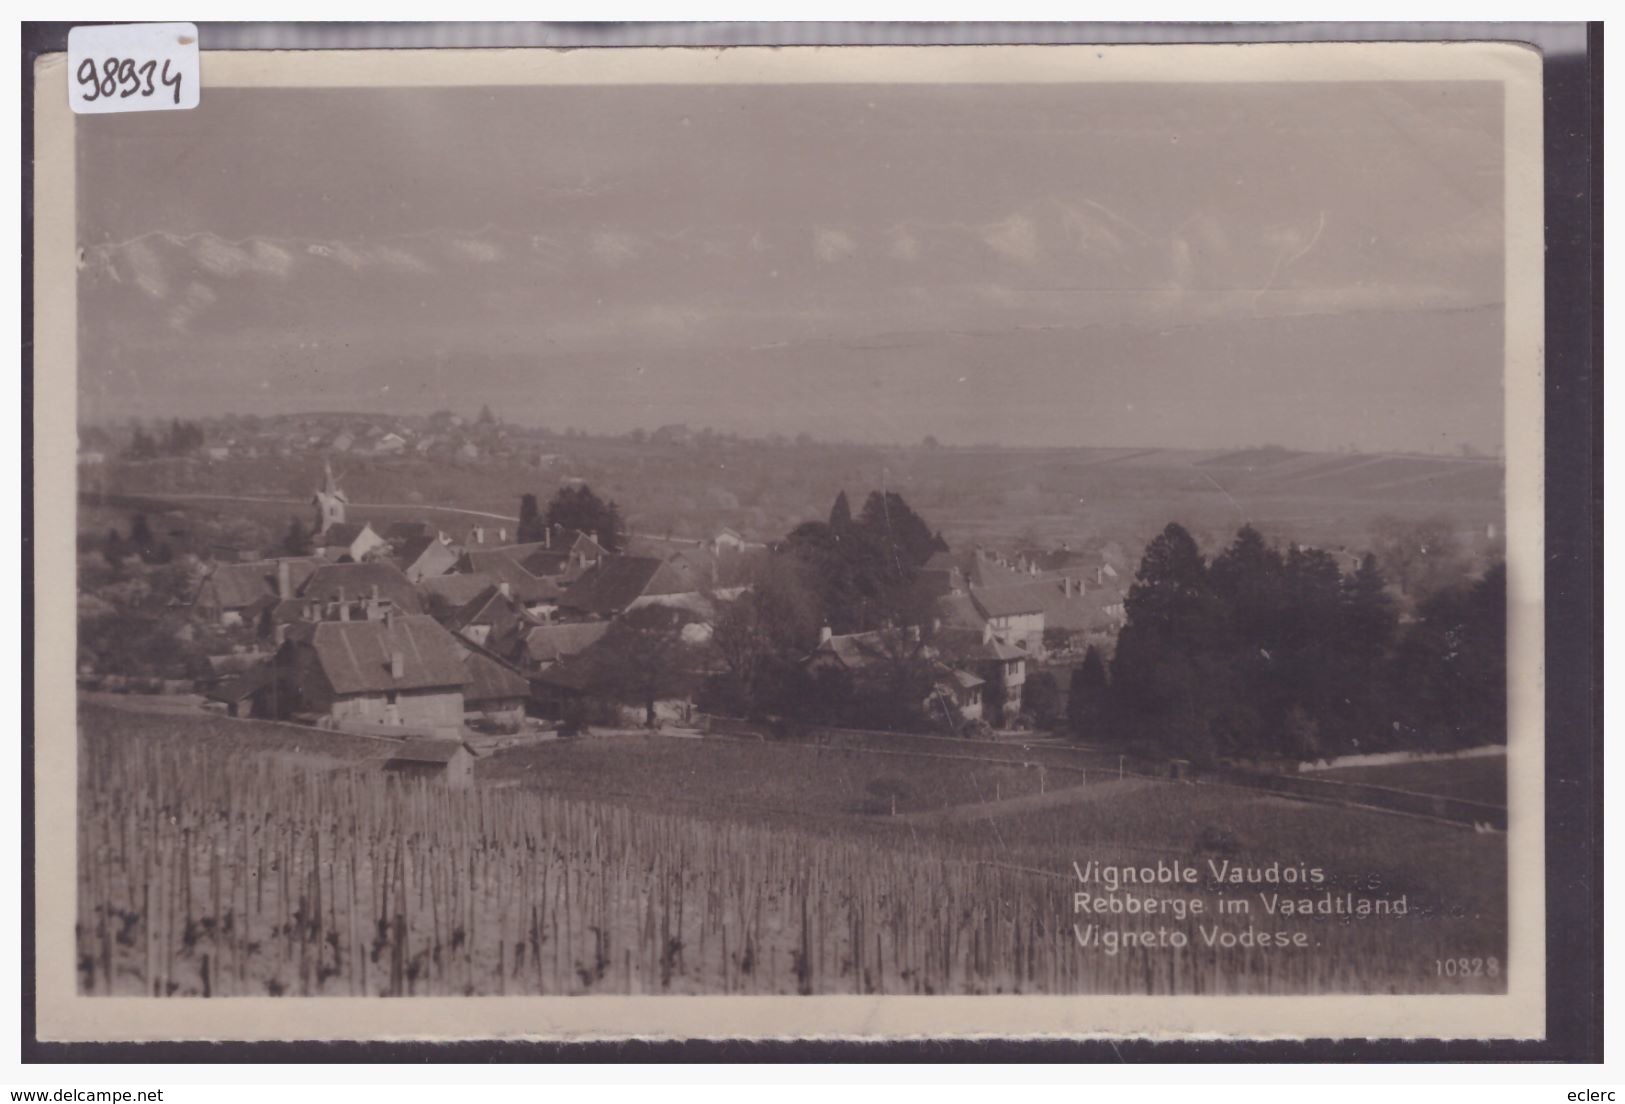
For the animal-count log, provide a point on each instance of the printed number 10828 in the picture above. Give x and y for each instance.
(1468, 967)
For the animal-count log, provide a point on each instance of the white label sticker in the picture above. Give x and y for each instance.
(133, 67)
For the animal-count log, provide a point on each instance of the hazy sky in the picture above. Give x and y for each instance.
(1313, 266)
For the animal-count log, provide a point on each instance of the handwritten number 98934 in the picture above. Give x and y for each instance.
(123, 78)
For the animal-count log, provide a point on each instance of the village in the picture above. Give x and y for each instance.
(499, 634)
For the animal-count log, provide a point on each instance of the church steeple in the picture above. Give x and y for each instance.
(329, 501)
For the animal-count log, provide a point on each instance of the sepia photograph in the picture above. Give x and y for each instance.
(1056, 528)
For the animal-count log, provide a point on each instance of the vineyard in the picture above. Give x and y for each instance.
(205, 872)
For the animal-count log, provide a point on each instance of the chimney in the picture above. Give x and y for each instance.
(284, 580)
(344, 607)
(824, 634)
(506, 589)
(397, 664)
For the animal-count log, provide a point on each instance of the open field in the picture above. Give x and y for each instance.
(1473, 779)
(207, 868)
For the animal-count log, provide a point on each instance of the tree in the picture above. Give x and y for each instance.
(580, 509)
(1418, 556)
(1086, 694)
(296, 541)
(902, 535)
(487, 418)
(531, 525)
(840, 514)
(1041, 699)
(643, 659)
(1451, 666)
(762, 635)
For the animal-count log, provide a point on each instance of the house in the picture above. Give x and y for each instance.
(494, 692)
(234, 593)
(856, 654)
(675, 434)
(402, 670)
(425, 556)
(348, 542)
(960, 689)
(450, 762)
(622, 583)
(491, 618)
(1001, 666)
(726, 572)
(1065, 613)
(242, 694)
(359, 591)
(728, 540)
(390, 444)
(441, 594)
(544, 646)
(536, 595)
(1013, 614)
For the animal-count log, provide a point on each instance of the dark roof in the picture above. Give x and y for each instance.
(235, 688)
(500, 566)
(616, 583)
(965, 646)
(356, 655)
(340, 535)
(959, 612)
(858, 650)
(551, 643)
(427, 751)
(1007, 601)
(235, 585)
(489, 607)
(455, 589)
(489, 679)
(357, 581)
(547, 562)
(413, 549)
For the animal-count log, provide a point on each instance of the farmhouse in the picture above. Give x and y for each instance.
(401, 670)
(348, 542)
(1001, 666)
(442, 594)
(424, 556)
(546, 645)
(494, 692)
(858, 654)
(491, 618)
(234, 593)
(359, 591)
(446, 761)
(623, 583)
(537, 595)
